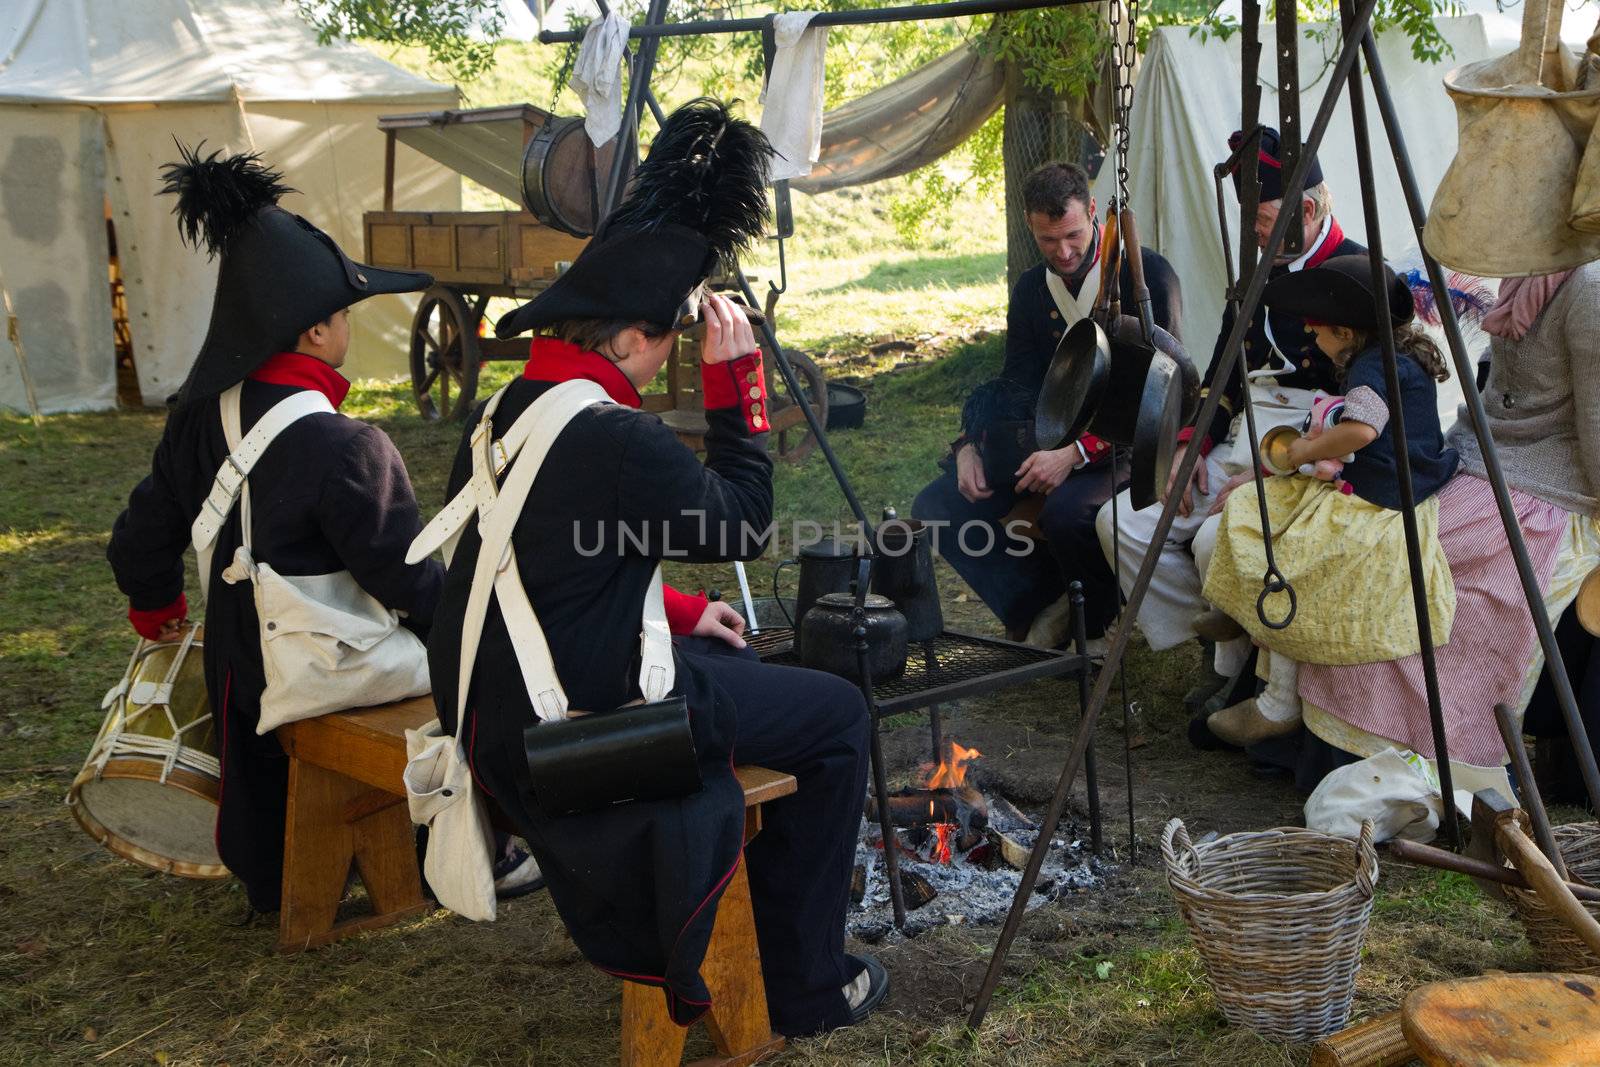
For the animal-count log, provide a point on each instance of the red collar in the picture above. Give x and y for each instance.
(1324, 251)
(306, 372)
(550, 360)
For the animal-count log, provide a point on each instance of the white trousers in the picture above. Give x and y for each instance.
(1173, 599)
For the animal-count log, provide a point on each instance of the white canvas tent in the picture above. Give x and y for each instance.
(92, 93)
(1186, 104)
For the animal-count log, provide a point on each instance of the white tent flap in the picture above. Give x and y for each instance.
(54, 258)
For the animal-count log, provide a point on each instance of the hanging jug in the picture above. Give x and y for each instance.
(1502, 210)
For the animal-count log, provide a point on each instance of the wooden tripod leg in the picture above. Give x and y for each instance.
(318, 848)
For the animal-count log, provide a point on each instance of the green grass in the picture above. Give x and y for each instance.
(95, 951)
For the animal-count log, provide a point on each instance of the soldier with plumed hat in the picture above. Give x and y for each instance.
(614, 494)
(330, 493)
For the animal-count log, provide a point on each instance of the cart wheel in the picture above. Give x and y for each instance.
(444, 354)
(796, 442)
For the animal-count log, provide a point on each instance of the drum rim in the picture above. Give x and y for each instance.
(186, 780)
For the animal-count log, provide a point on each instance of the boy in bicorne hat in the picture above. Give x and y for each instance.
(330, 493)
(637, 883)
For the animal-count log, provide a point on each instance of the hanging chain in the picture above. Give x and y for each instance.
(1124, 58)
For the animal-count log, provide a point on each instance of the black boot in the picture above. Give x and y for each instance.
(1210, 682)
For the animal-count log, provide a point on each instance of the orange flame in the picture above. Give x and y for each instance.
(952, 770)
(941, 846)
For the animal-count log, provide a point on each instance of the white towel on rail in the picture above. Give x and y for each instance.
(792, 119)
(597, 76)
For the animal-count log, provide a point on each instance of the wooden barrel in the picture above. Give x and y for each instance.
(564, 177)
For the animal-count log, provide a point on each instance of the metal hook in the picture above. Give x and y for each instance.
(1271, 583)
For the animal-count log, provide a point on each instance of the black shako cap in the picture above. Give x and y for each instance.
(696, 200)
(278, 276)
(1339, 293)
(1271, 169)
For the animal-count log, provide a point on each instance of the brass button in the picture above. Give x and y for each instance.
(755, 392)
(755, 410)
(1055, 314)
(362, 278)
(1305, 363)
(751, 377)
(760, 424)
(1058, 335)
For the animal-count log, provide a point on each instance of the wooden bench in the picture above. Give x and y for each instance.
(347, 805)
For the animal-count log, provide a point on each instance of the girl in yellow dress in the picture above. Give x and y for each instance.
(1342, 548)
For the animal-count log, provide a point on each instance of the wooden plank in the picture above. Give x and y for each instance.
(433, 247)
(762, 784)
(478, 248)
(1506, 1019)
(539, 247)
(388, 170)
(389, 245)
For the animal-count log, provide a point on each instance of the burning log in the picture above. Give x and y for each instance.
(919, 807)
(1011, 851)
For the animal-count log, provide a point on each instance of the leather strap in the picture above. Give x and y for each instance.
(229, 485)
(496, 573)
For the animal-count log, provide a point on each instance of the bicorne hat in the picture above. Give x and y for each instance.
(278, 276)
(1339, 293)
(1271, 165)
(696, 200)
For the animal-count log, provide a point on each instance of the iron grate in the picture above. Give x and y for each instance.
(951, 665)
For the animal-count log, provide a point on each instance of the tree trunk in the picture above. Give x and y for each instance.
(1038, 129)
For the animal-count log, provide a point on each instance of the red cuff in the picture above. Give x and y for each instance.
(1094, 448)
(1186, 435)
(148, 623)
(737, 383)
(683, 609)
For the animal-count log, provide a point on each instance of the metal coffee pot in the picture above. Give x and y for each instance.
(903, 572)
(825, 567)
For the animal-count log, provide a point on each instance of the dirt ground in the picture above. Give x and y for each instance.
(106, 962)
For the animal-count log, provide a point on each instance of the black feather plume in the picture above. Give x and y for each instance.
(218, 197)
(706, 170)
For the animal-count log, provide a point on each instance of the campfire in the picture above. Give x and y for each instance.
(960, 845)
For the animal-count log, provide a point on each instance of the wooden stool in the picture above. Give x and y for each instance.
(347, 804)
(1505, 1019)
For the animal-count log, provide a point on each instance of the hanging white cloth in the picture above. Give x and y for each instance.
(597, 76)
(792, 118)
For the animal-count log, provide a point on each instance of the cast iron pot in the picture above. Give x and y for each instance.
(830, 636)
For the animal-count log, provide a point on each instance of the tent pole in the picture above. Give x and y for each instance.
(1293, 186)
(14, 334)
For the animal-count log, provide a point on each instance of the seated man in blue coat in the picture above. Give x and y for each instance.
(994, 463)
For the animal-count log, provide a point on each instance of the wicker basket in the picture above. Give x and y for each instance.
(1554, 943)
(1278, 917)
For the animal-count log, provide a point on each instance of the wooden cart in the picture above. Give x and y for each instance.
(475, 255)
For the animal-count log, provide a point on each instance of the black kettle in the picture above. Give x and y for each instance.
(903, 572)
(830, 633)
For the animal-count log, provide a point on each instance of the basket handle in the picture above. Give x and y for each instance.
(1176, 837)
(1366, 859)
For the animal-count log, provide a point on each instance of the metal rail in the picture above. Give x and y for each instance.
(868, 17)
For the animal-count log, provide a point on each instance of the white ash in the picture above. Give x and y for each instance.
(969, 894)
